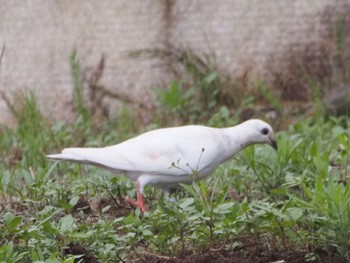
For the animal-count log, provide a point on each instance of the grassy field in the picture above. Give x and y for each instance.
(260, 206)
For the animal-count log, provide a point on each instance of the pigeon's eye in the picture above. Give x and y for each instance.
(265, 131)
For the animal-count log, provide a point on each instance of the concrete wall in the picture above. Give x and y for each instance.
(40, 35)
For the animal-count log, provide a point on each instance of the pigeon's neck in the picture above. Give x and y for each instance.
(237, 138)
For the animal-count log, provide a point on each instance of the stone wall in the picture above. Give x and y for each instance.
(40, 35)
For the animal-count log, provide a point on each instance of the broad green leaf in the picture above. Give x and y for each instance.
(187, 202)
(224, 208)
(11, 221)
(66, 223)
(295, 213)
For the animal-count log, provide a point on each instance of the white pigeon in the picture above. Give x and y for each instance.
(169, 156)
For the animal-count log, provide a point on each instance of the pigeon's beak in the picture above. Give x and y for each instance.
(273, 143)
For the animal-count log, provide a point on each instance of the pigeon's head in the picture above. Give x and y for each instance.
(261, 132)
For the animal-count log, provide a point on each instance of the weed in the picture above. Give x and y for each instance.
(273, 100)
(32, 136)
(78, 87)
(199, 89)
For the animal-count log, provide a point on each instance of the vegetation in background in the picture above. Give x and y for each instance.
(308, 84)
(78, 88)
(199, 92)
(32, 136)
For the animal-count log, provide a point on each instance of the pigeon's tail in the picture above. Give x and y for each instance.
(70, 154)
(62, 156)
(101, 157)
(93, 156)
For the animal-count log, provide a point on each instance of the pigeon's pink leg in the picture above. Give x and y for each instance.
(139, 201)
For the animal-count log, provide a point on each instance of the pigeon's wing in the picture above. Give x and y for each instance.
(174, 151)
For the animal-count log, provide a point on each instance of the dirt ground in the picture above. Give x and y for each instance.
(234, 257)
(216, 257)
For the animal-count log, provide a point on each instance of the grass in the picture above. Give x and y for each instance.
(295, 200)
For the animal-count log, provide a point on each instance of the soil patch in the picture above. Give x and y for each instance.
(239, 257)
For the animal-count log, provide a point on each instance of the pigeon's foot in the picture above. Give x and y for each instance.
(138, 203)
